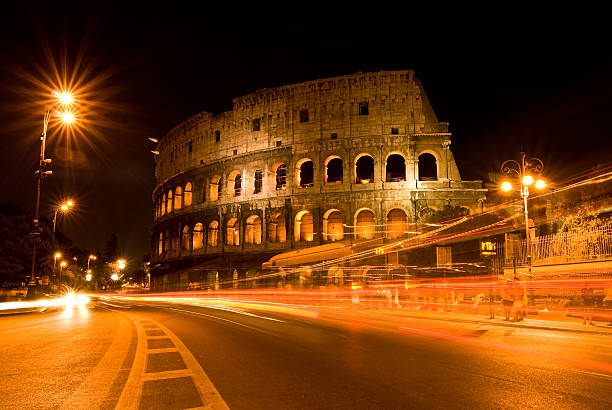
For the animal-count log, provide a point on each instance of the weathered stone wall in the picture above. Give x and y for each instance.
(374, 114)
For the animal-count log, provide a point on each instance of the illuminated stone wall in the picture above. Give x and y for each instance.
(385, 116)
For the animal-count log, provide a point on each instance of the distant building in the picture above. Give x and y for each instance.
(344, 159)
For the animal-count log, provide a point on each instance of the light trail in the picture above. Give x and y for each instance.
(68, 300)
(588, 364)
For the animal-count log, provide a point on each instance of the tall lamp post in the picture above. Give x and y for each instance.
(526, 172)
(62, 99)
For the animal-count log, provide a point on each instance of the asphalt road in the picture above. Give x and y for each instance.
(117, 354)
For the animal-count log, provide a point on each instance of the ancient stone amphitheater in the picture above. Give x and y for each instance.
(353, 158)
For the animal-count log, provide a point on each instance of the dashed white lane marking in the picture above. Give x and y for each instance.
(132, 392)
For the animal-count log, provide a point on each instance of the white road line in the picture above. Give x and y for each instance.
(117, 306)
(220, 318)
(234, 310)
(132, 392)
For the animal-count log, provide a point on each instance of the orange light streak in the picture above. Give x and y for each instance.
(588, 364)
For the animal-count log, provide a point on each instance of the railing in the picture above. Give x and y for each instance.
(564, 247)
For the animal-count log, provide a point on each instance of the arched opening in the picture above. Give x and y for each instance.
(280, 176)
(364, 169)
(396, 168)
(215, 188)
(397, 223)
(428, 167)
(304, 173)
(188, 194)
(213, 233)
(277, 231)
(176, 240)
(304, 227)
(333, 170)
(257, 182)
(333, 225)
(163, 205)
(365, 226)
(160, 243)
(252, 230)
(167, 244)
(178, 197)
(198, 236)
(234, 181)
(185, 238)
(169, 203)
(232, 236)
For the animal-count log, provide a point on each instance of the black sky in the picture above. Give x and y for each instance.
(505, 80)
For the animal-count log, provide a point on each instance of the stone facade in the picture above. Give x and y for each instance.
(350, 158)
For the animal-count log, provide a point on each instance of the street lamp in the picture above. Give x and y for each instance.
(94, 257)
(62, 266)
(88, 276)
(63, 99)
(526, 172)
(64, 207)
(55, 258)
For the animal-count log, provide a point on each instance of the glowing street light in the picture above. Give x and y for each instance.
(524, 171)
(88, 276)
(55, 258)
(62, 98)
(121, 263)
(94, 257)
(115, 277)
(63, 264)
(540, 184)
(64, 207)
(506, 186)
(67, 117)
(527, 180)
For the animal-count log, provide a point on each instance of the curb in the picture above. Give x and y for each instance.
(518, 325)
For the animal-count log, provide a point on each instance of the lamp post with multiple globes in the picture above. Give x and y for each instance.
(91, 257)
(526, 171)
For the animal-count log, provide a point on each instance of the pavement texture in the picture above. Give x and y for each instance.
(150, 355)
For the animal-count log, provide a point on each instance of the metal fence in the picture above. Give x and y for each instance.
(564, 247)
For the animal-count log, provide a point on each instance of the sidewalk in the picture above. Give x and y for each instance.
(557, 321)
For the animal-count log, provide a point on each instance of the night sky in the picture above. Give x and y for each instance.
(506, 81)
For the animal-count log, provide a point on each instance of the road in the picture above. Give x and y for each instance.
(134, 354)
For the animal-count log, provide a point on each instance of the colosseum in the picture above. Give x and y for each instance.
(347, 159)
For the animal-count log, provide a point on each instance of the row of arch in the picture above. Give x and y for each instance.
(174, 199)
(333, 228)
(395, 170)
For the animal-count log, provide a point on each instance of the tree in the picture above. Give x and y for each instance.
(447, 213)
(111, 250)
(585, 220)
(16, 246)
